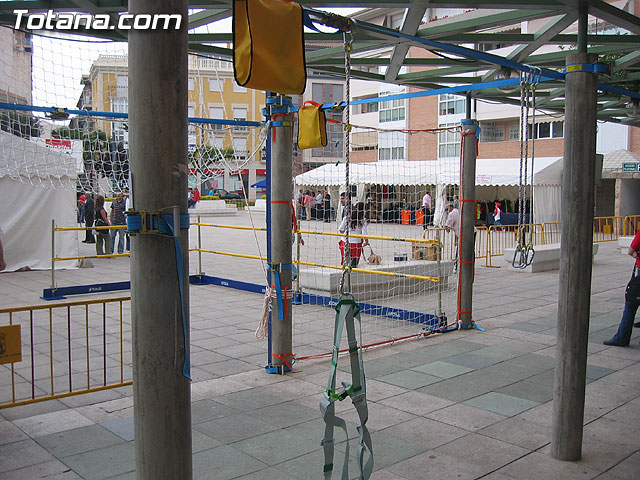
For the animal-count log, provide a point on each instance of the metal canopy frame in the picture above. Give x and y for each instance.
(497, 22)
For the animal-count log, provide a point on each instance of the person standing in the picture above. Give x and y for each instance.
(103, 238)
(631, 300)
(89, 216)
(496, 214)
(326, 204)
(357, 226)
(308, 201)
(117, 217)
(426, 209)
(81, 200)
(453, 223)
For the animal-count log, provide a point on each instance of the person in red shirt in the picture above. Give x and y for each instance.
(631, 301)
(196, 195)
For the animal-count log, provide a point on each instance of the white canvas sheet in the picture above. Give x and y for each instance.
(25, 219)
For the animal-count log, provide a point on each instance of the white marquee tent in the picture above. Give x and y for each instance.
(495, 179)
(26, 208)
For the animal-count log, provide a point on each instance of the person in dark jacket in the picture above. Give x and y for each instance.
(89, 216)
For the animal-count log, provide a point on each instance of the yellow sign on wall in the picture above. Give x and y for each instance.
(10, 344)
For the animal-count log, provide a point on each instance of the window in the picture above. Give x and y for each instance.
(547, 130)
(119, 105)
(391, 110)
(216, 113)
(329, 93)
(514, 132)
(192, 113)
(122, 85)
(216, 85)
(239, 148)
(451, 104)
(391, 153)
(490, 132)
(238, 89)
(365, 107)
(240, 114)
(191, 84)
(449, 141)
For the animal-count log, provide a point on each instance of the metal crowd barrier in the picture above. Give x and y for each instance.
(67, 349)
(55, 258)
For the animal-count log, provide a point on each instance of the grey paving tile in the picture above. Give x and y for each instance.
(24, 453)
(9, 433)
(53, 470)
(442, 369)
(416, 403)
(233, 428)
(518, 431)
(390, 449)
(425, 432)
(409, 379)
(271, 473)
(546, 467)
(122, 427)
(249, 399)
(529, 390)
(627, 469)
(595, 372)
(501, 403)
(473, 360)
(276, 447)
(201, 441)
(466, 417)
(104, 462)
(284, 414)
(78, 440)
(53, 422)
(209, 409)
(223, 463)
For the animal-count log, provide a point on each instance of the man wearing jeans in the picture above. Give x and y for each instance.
(116, 217)
(631, 303)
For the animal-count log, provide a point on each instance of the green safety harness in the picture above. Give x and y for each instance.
(346, 310)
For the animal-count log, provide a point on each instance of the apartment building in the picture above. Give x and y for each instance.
(499, 123)
(212, 94)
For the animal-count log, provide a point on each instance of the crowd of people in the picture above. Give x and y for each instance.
(312, 205)
(95, 218)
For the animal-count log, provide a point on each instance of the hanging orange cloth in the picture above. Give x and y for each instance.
(312, 126)
(268, 46)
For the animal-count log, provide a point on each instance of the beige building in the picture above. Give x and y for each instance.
(213, 94)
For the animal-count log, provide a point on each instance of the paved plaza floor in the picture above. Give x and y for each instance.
(462, 405)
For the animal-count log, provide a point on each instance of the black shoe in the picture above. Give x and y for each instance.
(84, 241)
(637, 324)
(613, 343)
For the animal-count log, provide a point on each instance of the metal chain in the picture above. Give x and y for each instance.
(523, 128)
(526, 155)
(533, 146)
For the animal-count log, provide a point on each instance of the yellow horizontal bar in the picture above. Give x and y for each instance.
(332, 234)
(373, 272)
(241, 255)
(335, 267)
(236, 227)
(64, 395)
(69, 229)
(110, 255)
(76, 303)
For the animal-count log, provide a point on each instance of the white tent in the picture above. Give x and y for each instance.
(26, 208)
(495, 178)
